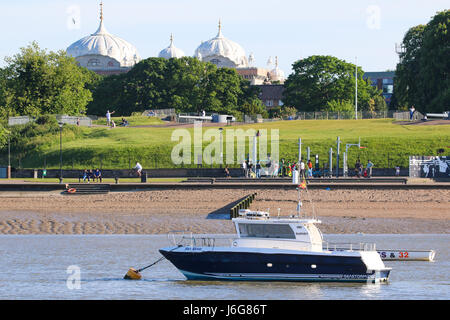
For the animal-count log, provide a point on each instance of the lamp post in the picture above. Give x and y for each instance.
(60, 152)
(9, 156)
(221, 146)
(356, 88)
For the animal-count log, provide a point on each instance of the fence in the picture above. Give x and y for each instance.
(83, 120)
(326, 115)
(159, 112)
(405, 116)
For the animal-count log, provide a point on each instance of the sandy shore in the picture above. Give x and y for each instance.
(207, 211)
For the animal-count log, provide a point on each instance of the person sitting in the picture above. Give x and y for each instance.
(86, 176)
(97, 175)
(124, 122)
(227, 172)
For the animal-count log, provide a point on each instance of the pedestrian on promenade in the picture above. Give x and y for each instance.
(358, 169)
(302, 169)
(397, 171)
(258, 170)
(309, 165)
(138, 169)
(244, 168)
(369, 168)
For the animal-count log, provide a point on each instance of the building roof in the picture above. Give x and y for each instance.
(379, 74)
(271, 91)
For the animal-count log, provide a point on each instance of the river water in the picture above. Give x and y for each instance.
(49, 267)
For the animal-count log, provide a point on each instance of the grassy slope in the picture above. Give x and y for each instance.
(121, 147)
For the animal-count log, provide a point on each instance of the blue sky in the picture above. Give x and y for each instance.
(288, 29)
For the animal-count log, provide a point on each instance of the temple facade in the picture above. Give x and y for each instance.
(107, 54)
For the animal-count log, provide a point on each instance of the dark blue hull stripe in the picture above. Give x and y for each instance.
(219, 265)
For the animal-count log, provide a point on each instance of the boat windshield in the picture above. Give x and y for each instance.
(259, 230)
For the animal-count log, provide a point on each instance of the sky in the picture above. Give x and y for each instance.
(358, 31)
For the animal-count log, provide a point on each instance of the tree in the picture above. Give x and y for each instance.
(422, 75)
(320, 80)
(186, 84)
(36, 82)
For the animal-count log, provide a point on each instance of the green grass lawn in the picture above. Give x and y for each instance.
(119, 148)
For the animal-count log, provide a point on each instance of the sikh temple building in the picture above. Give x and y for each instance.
(106, 54)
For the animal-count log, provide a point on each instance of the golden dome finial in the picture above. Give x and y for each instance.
(220, 27)
(101, 11)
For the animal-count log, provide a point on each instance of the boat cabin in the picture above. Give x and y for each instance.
(258, 229)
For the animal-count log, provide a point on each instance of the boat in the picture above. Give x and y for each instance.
(266, 248)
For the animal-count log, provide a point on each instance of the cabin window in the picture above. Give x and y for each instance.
(259, 230)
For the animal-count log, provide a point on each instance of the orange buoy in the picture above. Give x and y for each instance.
(133, 274)
(71, 190)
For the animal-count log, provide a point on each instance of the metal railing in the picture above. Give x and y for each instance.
(337, 246)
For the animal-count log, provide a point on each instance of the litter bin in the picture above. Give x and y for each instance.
(144, 176)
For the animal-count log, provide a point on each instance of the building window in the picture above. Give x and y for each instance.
(94, 62)
(388, 89)
(110, 64)
(215, 61)
(269, 103)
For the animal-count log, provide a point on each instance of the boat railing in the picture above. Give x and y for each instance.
(188, 239)
(338, 246)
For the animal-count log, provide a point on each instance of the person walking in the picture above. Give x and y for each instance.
(309, 165)
(258, 170)
(369, 168)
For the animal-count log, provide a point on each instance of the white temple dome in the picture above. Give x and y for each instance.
(102, 43)
(171, 51)
(222, 52)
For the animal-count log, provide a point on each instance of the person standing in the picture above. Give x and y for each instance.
(411, 113)
(369, 169)
(302, 169)
(258, 170)
(309, 165)
(108, 117)
(397, 171)
(244, 168)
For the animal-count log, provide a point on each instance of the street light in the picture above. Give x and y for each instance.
(9, 156)
(60, 152)
(221, 146)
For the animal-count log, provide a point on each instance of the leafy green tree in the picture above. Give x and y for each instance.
(320, 80)
(36, 82)
(185, 84)
(422, 75)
